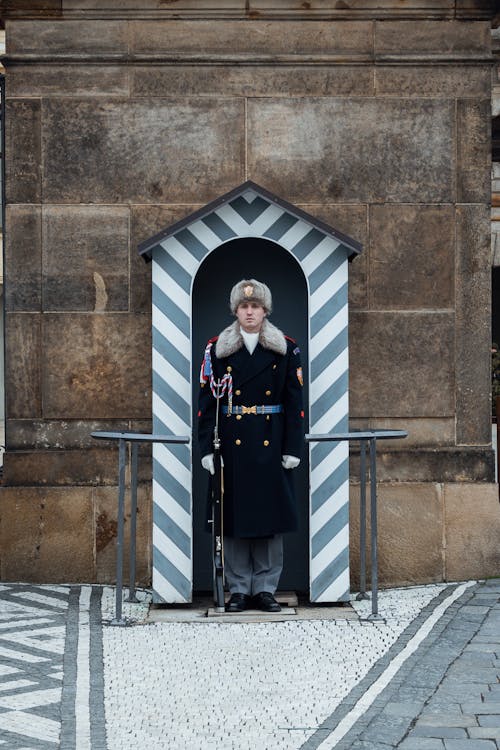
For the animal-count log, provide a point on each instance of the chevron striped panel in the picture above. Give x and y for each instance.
(175, 263)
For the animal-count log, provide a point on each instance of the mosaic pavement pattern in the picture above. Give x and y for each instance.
(426, 677)
(46, 661)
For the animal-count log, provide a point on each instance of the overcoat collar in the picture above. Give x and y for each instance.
(231, 340)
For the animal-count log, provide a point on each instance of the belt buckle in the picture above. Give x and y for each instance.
(249, 409)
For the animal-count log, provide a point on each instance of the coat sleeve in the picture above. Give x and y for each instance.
(293, 439)
(206, 408)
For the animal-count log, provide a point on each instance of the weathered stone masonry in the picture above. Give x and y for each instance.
(125, 117)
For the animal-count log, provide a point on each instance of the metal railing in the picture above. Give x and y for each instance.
(364, 437)
(135, 438)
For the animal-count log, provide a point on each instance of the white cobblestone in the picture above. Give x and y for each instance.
(208, 684)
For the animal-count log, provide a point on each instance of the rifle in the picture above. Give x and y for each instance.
(217, 524)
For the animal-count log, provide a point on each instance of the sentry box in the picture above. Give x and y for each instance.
(249, 232)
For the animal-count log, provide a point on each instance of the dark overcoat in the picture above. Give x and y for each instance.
(259, 496)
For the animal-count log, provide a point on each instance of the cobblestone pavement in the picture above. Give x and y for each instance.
(425, 677)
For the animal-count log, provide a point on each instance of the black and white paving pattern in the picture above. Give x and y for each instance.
(425, 677)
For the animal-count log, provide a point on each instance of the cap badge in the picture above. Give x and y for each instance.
(248, 291)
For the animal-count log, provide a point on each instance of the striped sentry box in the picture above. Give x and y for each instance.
(323, 254)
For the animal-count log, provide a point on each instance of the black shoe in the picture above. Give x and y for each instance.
(266, 602)
(238, 603)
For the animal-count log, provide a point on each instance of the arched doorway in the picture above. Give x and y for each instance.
(249, 257)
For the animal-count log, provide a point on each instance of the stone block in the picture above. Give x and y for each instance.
(449, 39)
(455, 81)
(490, 721)
(422, 432)
(264, 80)
(410, 529)
(421, 743)
(23, 144)
(23, 365)
(472, 531)
(472, 326)
(46, 534)
(353, 221)
(485, 733)
(476, 9)
(448, 732)
(238, 38)
(364, 8)
(53, 38)
(474, 151)
(40, 434)
(447, 719)
(412, 252)
(90, 466)
(96, 366)
(401, 365)
(150, 151)
(23, 259)
(474, 186)
(400, 150)
(85, 258)
(23, 8)
(67, 80)
(181, 6)
(145, 222)
(105, 520)
(432, 464)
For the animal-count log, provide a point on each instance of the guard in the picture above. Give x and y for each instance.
(257, 372)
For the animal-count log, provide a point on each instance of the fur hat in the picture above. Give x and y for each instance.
(250, 290)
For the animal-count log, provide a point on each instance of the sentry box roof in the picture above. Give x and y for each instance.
(249, 201)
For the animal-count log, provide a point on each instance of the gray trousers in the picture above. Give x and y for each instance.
(253, 565)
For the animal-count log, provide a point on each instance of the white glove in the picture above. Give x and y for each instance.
(208, 463)
(290, 462)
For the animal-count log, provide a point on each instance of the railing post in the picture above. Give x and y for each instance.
(135, 438)
(373, 524)
(133, 521)
(120, 529)
(362, 436)
(362, 522)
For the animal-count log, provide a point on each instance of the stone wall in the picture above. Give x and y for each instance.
(372, 116)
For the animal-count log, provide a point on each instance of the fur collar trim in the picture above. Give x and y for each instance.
(230, 340)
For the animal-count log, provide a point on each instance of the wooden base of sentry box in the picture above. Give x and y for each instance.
(285, 598)
(253, 615)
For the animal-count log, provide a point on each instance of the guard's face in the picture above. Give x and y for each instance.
(250, 316)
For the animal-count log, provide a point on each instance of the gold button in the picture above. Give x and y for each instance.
(275, 366)
(268, 417)
(238, 393)
(238, 442)
(238, 416)
(229, 368)
(266, 443)
(268, 393)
